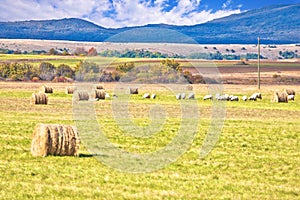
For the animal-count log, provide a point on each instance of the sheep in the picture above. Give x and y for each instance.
(178, 96)
(245, 98)
(255, 96)
(153, 96)
(291, 97)
(191, 96)
(224, 97)
(208, 97)
(234, 98)
(146, 96)
(183, 95)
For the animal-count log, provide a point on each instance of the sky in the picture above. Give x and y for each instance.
(125, 13)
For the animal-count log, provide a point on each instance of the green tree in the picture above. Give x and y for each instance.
(65, 70)
(172, 64)
(126, 67)
(47, 71)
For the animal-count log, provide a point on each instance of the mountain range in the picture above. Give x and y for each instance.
(278, 24)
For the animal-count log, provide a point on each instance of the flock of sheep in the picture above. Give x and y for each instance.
(100, 93)
(227, 97)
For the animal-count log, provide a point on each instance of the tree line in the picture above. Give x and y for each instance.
(167, 71)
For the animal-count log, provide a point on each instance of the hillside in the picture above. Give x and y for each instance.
(276, 24)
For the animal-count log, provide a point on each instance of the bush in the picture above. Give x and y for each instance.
(47, 71)
(65, 70)
(126, 67)
(17, 71)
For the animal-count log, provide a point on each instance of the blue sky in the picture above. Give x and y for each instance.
(122, 13)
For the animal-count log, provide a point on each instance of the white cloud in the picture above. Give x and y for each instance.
(114, 13)
(226, 4)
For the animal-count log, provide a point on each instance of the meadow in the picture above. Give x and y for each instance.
(256, 157)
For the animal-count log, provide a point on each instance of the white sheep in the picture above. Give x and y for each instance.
(291, 97)
(208, 97)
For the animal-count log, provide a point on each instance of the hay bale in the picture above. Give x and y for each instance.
(39, 98)
(99, 87)
(70, 89)
(46, 89)
(290, 92)
(280, 97)
(99, 94)
(55, 139)
(82, 95)
(189, 88)
(134, 90)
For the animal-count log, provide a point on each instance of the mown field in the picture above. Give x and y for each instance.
(256, 157)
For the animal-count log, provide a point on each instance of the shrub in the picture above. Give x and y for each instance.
(126, 67)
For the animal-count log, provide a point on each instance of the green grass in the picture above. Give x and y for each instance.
(256, 157)
(37, 59)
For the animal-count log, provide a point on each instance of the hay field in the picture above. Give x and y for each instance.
(256, 157)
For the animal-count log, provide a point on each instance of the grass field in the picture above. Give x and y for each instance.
(256, 157)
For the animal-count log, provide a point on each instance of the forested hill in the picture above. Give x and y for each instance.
(276, 24)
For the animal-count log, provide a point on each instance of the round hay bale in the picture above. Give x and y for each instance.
(134, 90)
(189, 88)
(70, 89)
(99, 87)
(280, 97)
(55, 139)
(178, 96)
(153, 96)
(39, 98)
(82, 96)
(290, 92)
(99, 94)
(46, 89)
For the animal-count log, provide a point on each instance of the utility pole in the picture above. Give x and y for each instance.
(258, 63)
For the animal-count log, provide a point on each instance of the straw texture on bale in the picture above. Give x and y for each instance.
(46, 89)
(99, 94)
(70, 89)
(134, 90)
(290, 92)
(99, 87)
(55, 139)
(82, 95)
(189, 88)
(280, 97)
(39, 98)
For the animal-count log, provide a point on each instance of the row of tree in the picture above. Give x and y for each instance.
(167, 71)
(81, 51)
(25, 71)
